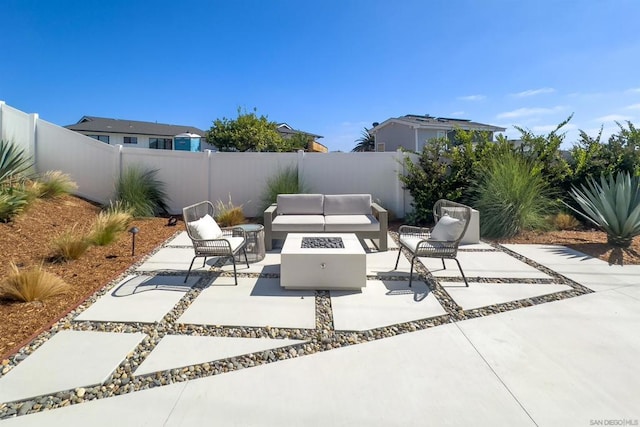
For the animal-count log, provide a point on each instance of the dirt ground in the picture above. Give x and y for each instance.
(27, 241)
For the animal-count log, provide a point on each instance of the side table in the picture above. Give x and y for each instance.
(255, 243)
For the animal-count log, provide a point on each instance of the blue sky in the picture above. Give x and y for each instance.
(326, 67)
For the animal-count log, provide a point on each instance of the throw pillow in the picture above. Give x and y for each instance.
(447, 229)
(205, 228)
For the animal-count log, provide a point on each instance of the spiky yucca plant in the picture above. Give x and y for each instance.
(34, 284)
(613, 205)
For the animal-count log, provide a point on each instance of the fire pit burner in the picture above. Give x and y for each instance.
(322, 243)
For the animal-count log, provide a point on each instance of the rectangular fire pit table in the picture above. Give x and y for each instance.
(320, 263)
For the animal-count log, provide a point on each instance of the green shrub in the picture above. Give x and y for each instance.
(228, 215)
(56, 184)
(613, 205)
(512, 195)
(544, 151)
(426, 182)
(284, 182)
(591, 158)
(141, 192)
(445, 170)
(34, 284)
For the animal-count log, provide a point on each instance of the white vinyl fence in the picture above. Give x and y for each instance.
(192, 177)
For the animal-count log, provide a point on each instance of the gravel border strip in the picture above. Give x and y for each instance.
(323, 338)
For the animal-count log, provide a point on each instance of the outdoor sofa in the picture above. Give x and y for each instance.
(331, 213)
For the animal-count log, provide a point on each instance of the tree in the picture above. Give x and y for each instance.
(297, 141)
(366, 142)
(545, 150)
(246, 133)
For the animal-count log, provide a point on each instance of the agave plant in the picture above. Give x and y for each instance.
(613, 205)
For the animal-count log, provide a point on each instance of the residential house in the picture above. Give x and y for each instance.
(412, 131)
(132, 133)
(314, 146)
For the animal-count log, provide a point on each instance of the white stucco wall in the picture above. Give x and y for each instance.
(396, 135)
(118, 139)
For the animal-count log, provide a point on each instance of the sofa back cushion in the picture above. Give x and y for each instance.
(347, 204)
(300, 204)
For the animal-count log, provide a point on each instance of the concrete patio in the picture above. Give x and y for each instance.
(542, 336)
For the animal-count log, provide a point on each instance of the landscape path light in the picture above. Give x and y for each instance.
(133, 231)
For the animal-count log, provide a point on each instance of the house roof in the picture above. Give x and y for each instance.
(285, 129)
(132, 127)
(429, 122)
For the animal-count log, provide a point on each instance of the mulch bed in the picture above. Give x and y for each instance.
(27, 241)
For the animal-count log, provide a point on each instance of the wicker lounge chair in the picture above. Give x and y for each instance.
(209, 240)
(452, 220)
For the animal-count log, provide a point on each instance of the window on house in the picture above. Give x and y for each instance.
(441, 134)
(380, 146)
(161, 143)
(130, 139)
(101, 138)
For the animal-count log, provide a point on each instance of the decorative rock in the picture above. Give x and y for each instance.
(321, 338)
(26, 407)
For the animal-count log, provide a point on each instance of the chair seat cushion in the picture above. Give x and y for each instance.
(447, 229)
(219, 250)
(235, 242)
(351, 223)
(428, 247)
(205, 228)
(298, 223)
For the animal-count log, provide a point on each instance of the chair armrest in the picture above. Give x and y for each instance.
(234, 232)
(415, 231)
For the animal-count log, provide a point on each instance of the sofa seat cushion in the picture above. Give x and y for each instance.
(298, 223)
(347, 204)
(300, 204)
(351, 223)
